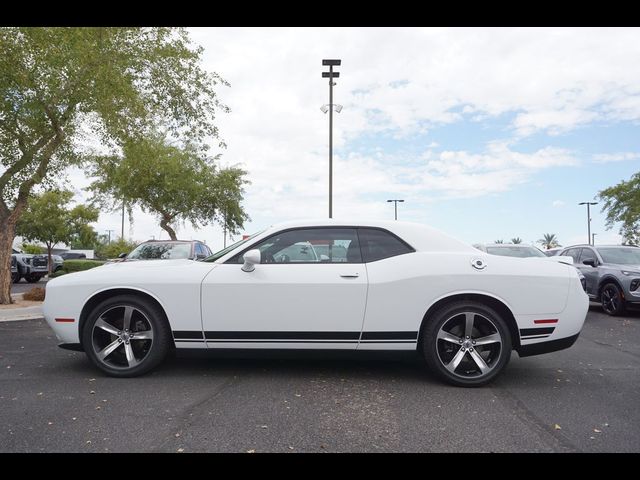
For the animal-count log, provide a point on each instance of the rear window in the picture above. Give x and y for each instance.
(379, 244)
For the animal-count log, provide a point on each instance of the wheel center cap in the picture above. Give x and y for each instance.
(125, 336)
(467, 344)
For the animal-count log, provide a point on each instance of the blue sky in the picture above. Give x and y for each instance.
(487, 133)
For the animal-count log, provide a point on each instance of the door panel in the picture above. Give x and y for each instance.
(286, 305)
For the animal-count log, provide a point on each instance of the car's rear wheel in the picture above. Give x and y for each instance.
(466, 343)
(32, 278)
(126, 336)
(611, 299)
(15, 277)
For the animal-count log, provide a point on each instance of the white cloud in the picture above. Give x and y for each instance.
(615, 157)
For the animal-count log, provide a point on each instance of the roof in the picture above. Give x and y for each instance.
(419, 236)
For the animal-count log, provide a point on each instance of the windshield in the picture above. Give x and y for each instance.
(160, 251)
(620, 255)
(224, 251)
(514, 251)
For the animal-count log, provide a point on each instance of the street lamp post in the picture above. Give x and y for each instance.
(588, 204)
(330, 75)
(395, 206)
(109, 232)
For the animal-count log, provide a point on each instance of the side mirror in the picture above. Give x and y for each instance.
(589, 262)
(200, 256)
(122, 255)
(251, 259)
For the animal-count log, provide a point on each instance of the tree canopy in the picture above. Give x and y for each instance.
(174, 183)
(48, 219)
(549, 240)
(622, 204)
(61, 86)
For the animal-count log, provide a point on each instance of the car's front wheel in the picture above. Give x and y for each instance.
(32, 278)
(611, 299)
(126, 336)
(15, 277)
(466, 343)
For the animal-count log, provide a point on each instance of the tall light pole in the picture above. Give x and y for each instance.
(109, 232)
(593, 238)
(395, 206)
(330, 75)
(588, 204)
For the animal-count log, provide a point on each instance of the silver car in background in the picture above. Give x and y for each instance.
(612, 273)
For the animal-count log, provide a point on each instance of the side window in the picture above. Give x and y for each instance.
(378, 244)
(200, 249)
(206, 250)
(587, 254)
(309, 245)
(573, 253)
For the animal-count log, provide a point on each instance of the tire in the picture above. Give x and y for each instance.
(15, 277)
(110, 347)
(611, 299)
(32, 278)
(444, 341)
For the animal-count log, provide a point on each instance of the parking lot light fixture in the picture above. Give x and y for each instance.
(588, 204)
(395, 206)
(330, 107)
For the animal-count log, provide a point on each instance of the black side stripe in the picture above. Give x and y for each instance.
(536, 336)
(295, 337)
(389, 335)
(525, 332)
(185, 334)
(282, 335)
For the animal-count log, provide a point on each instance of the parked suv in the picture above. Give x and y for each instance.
(30, 267)
(612, 273)
(169, 249)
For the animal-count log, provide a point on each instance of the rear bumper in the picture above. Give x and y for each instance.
(546, 347)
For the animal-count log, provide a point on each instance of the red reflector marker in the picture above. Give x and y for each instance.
(548, 320)
(65, 320)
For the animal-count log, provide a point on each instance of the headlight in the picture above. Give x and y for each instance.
(634, 284)
(629, 272)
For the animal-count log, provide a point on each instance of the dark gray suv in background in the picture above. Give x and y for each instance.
(612, 274)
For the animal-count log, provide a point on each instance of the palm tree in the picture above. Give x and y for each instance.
(549, 240)
(498, 241)
(516, 240)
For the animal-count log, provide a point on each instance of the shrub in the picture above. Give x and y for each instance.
(80, 265)
(58, 273)
(36, 294)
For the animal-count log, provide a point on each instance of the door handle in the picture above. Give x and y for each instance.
(350, 275)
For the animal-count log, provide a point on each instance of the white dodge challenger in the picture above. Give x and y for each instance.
(325, 284)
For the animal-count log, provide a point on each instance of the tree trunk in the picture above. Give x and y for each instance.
(49, 263)
(164, 223)
(7, 234)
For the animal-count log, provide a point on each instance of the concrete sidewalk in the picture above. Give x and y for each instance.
(21, 313)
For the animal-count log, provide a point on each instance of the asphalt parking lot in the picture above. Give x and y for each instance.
(583, 399)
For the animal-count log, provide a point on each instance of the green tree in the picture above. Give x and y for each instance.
(48, 220)
(83, 235)
(112, 250)
(175, 183)
(499, 241)
(32, 249)
(622, 204)
(57, 84)
(516, 240)
(549, 240)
